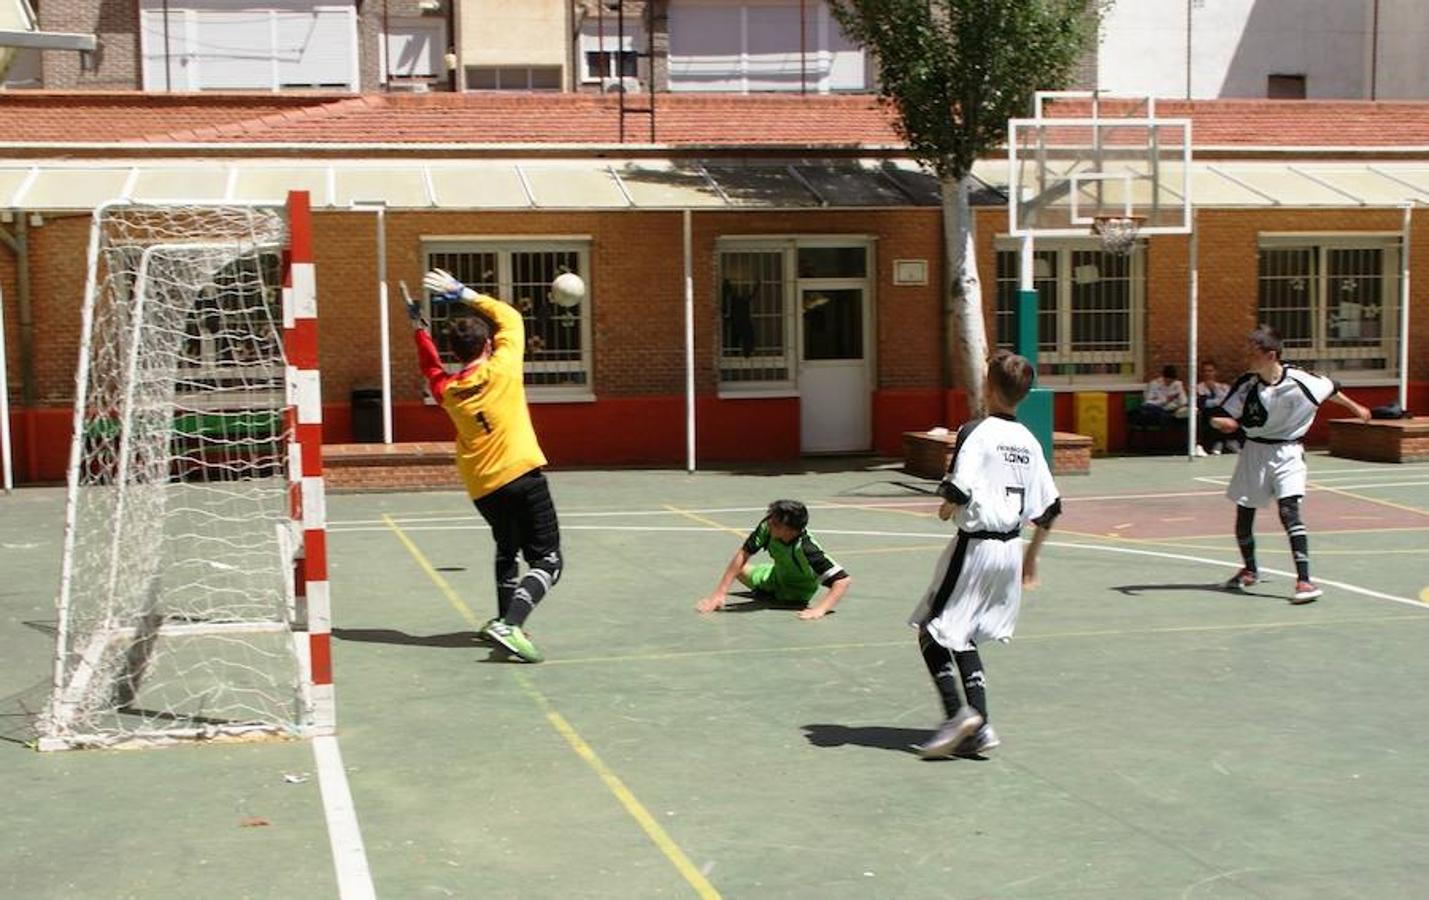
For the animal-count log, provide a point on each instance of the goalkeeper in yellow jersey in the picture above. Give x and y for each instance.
(496, 449)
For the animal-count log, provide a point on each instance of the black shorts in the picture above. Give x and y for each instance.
(522, 516)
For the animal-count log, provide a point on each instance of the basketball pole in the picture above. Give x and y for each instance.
(1036, 410)
(1193, 418)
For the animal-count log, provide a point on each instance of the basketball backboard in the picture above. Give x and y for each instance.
(1088, 156)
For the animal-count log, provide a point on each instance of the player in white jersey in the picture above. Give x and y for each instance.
(997, 482)
(1275, 403)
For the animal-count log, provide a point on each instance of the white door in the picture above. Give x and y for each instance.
(834, 404)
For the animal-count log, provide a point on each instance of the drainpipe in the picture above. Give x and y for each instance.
(19, 245)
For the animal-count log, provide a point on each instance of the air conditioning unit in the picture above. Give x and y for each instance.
(628, 84)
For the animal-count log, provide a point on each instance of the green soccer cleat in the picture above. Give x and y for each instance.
(514, 639)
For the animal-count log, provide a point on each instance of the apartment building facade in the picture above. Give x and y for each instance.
(1202, 49)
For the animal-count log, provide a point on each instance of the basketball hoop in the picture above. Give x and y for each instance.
(1118, 233)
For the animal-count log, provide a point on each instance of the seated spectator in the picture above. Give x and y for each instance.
(1163, 402)
(1210, 394)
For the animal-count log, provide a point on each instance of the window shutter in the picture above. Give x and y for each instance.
(705, 48)
(315, 48)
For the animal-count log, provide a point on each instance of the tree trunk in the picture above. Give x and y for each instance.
(965, 350)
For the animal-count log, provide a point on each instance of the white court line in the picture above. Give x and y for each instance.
(349, 858)
(1317, 483)
(845, 505)
(945, 535)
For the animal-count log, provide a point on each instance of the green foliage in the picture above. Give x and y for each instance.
(957, 70)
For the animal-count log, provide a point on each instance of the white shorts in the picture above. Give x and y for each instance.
(1265, 473)
(980, 588)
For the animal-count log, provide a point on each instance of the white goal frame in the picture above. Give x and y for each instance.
(300, 542)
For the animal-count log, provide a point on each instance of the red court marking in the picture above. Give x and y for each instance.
(1152, 518)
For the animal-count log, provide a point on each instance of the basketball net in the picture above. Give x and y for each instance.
(1118, 233)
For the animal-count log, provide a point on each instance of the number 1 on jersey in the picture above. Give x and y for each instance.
(481, 420)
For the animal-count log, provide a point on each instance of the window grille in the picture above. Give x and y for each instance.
(558, 339)
(755, 330)
(1334, 302)
(1089, 308)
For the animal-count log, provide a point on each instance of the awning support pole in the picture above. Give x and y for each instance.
(689, 346)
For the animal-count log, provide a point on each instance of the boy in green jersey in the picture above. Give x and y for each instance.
(799, 567)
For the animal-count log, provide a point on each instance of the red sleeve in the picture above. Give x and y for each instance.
(430, 362)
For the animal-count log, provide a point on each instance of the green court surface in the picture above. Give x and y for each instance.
(1161, 737)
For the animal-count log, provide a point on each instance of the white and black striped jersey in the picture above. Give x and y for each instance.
(1282, 411)
(999, 478)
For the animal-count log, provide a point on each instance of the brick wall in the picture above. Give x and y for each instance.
(114, 65)
(636, 283)
(637, 298)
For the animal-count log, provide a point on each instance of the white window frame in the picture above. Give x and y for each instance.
(1129, 360)
(820, 55)
(789, 359)
(408, 26)
(793, 285)
(1320, 350)
(591, 42)
(183, 31)
(503, 248)
(525, 84)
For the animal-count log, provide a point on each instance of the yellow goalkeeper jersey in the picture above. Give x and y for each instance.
(495, 442)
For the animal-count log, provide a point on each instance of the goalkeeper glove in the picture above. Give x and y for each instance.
(414, 309)
(445, 288)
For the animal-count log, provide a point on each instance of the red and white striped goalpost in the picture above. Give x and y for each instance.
(307, 505)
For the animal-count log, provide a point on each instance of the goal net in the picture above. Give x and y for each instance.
(178, 613)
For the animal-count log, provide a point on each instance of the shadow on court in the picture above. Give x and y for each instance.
(1200, 587)
(878, 737)
(451, 640)
(755, 601)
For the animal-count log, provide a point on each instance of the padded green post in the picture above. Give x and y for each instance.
(1035, 411)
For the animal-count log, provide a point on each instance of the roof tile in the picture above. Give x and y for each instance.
(492, 117)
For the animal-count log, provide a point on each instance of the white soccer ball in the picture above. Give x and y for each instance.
(567, 290)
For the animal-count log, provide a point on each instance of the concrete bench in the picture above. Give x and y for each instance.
(415, 466)
(1381, 440)
(928, 454)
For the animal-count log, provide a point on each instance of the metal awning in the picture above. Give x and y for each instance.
(596, 184)
(77, 185)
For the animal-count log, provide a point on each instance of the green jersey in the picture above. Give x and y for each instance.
(799, 567)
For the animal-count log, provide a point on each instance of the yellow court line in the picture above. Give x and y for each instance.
(632, 806)
(452, 597)
(703, 521)
(1389, 503)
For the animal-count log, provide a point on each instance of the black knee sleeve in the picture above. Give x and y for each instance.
(1290, 514)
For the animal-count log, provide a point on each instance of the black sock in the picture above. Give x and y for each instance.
(974, 684)
(945, 674)
(1245, 535)
(1299, 536)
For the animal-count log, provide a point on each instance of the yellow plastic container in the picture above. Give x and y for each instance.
(1089, 416)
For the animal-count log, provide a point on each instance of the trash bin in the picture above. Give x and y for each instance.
(367, 415)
